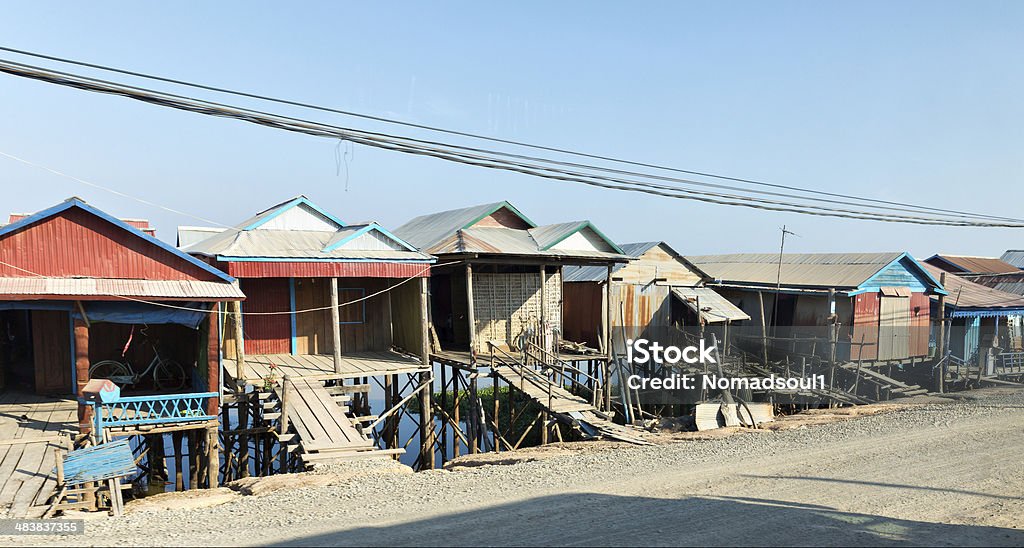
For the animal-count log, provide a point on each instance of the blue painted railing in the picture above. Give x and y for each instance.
(161, 409)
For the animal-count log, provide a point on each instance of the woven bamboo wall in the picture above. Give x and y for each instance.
(505, 304)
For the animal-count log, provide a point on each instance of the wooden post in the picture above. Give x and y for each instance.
(236, 313)
(472, 433)
(395, 419)
(496, 384)
(213, 457)
(193, 460)
(82, 373)
(243, 439)
(335, 325)
(426, 379)
(542, 328)
(213, 360)
(832, 340)
(764, 330)
(444, 423)
(470, 316)
(179, 474)
(940, 340)
(282, 425)
(608, 343)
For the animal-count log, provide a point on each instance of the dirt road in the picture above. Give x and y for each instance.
(935, 474)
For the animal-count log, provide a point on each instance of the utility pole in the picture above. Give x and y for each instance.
(778, 280)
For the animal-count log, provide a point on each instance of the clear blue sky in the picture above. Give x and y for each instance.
(910, 101)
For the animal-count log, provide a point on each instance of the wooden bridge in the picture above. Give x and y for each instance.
(566, 407)
(314, 423)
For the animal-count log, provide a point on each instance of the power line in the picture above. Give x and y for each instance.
(404, 145)
(111, 190)
(495, 139)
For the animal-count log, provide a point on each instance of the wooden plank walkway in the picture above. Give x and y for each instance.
(561, 403)
(31, 427)
(355, 365)
(323, 431)
(561, 400)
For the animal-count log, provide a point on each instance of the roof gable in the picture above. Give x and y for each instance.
(904, 271)
(574, 236)
(296, 214)
(370, 236)
(427, 231)
(74, 239)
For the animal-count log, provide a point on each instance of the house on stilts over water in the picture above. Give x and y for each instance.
(333, 307)
(85, 295)
(496, 298)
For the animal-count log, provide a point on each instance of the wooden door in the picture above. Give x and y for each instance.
(51, 349)
(894, 328)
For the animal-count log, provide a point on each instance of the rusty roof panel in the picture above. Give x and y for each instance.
(971, 265)
(965, 294)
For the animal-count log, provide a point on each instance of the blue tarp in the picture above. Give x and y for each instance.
(139, 313)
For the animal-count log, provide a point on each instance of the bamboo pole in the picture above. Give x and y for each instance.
(236, 314)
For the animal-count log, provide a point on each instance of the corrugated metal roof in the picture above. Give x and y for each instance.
(1010, 283)
(966, 295)
(971, 265)
(825, 270)
(713, 307)
(293, 244)
(549, 235)
(600, 273)
(1014, 257)
(456, 231)
(189, 235)
(76, 240)
(427, 231)
(247, 241)
(634, 250)
(507, 241)
(110, 287)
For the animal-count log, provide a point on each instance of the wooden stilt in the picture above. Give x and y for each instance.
(179, 473)
(212, 457)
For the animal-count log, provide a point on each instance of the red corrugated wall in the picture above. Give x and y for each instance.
(865, 327)
(77, 243)
(324, 270)
(267, 334)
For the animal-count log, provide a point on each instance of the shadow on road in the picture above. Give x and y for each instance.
(891, 485)
(592, 519)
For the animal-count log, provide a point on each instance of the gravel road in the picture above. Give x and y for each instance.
(948, 473)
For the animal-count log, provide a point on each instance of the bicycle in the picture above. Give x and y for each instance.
(167, 374)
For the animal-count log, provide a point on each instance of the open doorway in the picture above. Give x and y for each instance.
(35, 351)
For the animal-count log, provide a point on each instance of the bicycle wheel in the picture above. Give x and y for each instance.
(113, 370)
(169, 375)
